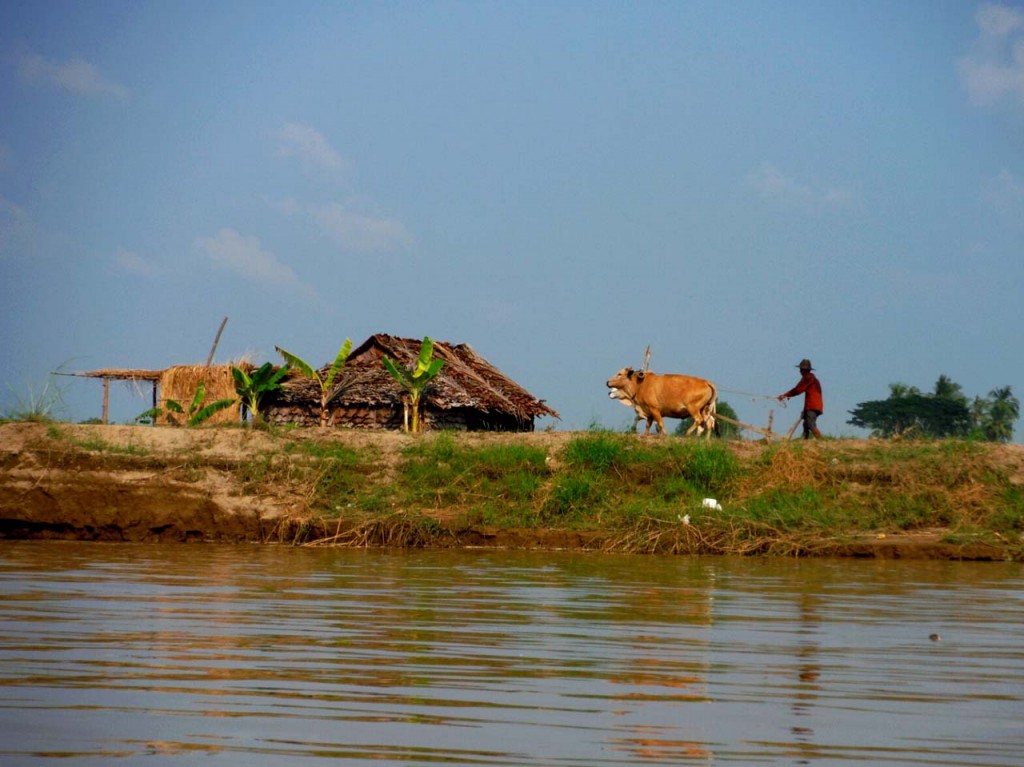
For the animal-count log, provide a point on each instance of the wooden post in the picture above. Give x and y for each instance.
(106, 398)
(771, 417)
(153, 419)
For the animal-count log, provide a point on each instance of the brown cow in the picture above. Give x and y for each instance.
(654, 397)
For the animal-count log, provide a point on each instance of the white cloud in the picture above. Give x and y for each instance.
(355, 231)
(76, 76)
(999, 20)
(348, 228)
(770, 183)
(133, 263)
(994, 70)
(309, 146)
(245, 256)
(1005, 195)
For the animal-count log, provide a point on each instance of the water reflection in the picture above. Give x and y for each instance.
(265, 655)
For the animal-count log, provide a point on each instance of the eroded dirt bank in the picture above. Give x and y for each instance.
(128, 483)
(121, 483)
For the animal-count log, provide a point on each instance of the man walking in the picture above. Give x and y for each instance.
(810, 387)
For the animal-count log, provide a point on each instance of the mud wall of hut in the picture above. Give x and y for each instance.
(361, 417)
(391, 418)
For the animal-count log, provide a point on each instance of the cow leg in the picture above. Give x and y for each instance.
(697, 425)
(709, 419)
(638, 416)
(661, 424)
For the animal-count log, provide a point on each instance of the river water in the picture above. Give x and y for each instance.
(261, 655)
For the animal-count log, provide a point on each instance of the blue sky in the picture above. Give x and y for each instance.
(738, 184)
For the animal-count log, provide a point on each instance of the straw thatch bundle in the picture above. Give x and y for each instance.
(180, 383)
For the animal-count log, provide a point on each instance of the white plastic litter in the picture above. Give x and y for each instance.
(711, 503)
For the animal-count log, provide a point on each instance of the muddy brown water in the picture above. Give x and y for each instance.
(258, 655)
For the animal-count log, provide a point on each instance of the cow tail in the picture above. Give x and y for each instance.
(710, 409)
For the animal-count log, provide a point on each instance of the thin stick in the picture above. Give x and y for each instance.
(209, 360)
(766, 432)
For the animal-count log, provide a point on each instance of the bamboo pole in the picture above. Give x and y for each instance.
(216, 340)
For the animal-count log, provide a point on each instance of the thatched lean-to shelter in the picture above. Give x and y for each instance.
(178, 383)
(468, 394)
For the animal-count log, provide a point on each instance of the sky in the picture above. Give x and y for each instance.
(738, 185)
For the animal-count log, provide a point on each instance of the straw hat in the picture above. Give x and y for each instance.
(805, 364)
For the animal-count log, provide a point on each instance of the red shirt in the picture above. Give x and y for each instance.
(810, 387)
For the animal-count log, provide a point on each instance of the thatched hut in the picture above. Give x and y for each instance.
(469, 393)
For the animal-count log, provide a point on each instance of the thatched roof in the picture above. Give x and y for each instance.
(467, 380)
(119, 374)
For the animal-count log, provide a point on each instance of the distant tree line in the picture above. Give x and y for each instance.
(944, 412)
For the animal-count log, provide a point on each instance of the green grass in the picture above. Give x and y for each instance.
(333, 477)
(98, 445)
(95, 444)
(614, 480)
(37, 404)
(491, 483)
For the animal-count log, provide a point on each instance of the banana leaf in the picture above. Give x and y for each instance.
(214, 407)
(298, 363)
(339, 362)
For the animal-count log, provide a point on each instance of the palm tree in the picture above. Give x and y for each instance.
(900, 390)
(947, 388)
(1003, 411)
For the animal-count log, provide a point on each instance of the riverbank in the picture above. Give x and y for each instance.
(579, 490)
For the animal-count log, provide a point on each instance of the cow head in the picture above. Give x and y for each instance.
(624, 384)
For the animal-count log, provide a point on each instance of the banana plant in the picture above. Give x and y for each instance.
(327, 385)
(252, 388)
(198, 411)
(415, 379)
